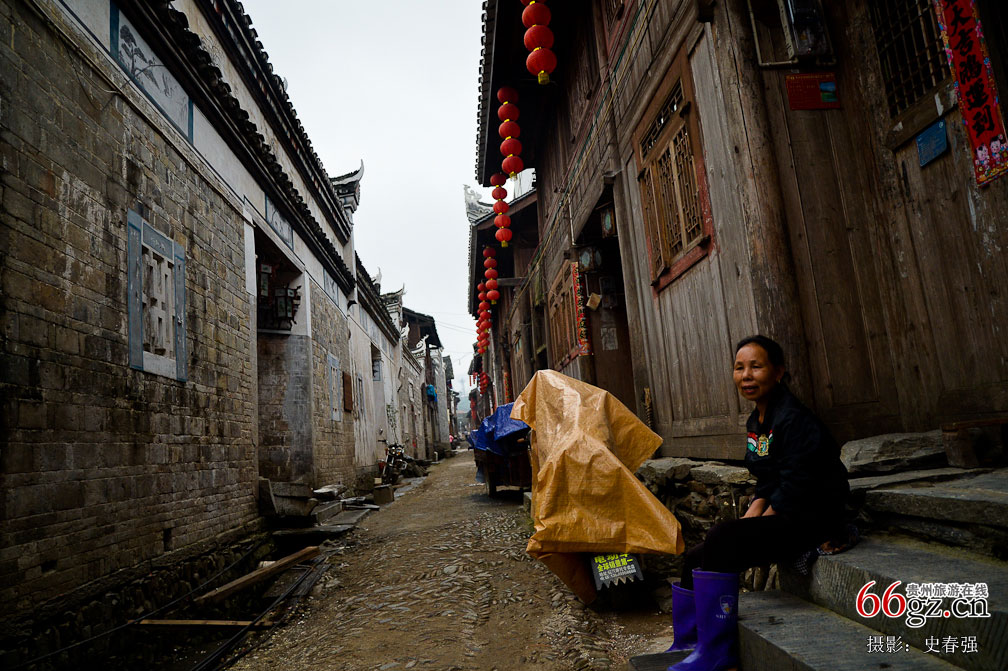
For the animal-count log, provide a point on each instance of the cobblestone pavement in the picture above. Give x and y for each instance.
(439, 579)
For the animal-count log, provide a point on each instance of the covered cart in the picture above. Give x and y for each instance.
(501, 451)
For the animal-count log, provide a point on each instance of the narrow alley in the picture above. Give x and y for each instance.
(439, 579)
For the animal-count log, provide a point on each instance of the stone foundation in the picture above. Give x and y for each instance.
(106, 604)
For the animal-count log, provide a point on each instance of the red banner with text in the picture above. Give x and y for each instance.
(975, 88)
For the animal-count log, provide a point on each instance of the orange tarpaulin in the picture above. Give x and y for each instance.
(586, 446)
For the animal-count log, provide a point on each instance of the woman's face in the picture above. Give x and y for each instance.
(755, 377)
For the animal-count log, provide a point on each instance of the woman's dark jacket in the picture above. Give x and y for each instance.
(796, 462)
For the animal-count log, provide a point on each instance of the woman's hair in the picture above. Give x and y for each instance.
(773, 349)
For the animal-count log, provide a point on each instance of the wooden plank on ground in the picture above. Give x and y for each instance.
(258, 575)
(204, 623)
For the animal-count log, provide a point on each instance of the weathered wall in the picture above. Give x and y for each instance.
(333, 428)
(104, 466)
(285, 410)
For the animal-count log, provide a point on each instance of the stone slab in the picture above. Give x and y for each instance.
(780, 632)
(715, 474)
(659, 661)
(313, 535)
(326, 512)
(351, 517)
(329, 492)
(979, 500)
(894, 452)
(659, 471)
(836, 580)
(295, 489)
(925, 475)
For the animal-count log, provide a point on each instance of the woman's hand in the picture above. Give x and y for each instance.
(756, 508)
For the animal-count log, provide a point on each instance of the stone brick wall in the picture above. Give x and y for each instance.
(103, 466)
(334, 446)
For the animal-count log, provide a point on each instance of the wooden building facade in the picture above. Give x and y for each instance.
(710, 170)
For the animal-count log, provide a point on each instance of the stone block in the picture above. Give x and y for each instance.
(894, 452)
(837, 579)
(659, 471)
(779, 632)
(383, 494)
(716, 474)
(33, 415)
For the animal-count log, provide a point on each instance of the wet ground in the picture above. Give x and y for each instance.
(439, 579)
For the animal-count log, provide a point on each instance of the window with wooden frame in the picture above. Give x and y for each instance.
(910, 51)
(568, 329)
(671, 181)
(563, 317)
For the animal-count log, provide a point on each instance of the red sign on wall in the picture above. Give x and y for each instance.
(812, 91)
(974, 85)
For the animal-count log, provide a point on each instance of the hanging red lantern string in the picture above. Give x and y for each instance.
(500, 206)
(510, 146)
(538, 40)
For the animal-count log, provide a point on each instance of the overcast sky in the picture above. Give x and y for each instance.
(394, 83)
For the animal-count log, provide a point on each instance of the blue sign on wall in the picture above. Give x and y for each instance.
(932, 143)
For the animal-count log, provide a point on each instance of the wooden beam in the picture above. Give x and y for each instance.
(205, 623)
(256, 576)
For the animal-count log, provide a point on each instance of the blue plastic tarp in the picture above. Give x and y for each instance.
(494, 429)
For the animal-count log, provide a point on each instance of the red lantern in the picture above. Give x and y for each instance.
(490, 273)
(483, 306)
(480, 287)
(541, 63)
(490, 262)
(493, 295)
(508, 112)
(513, 165)
(509, 129)
(499, 193)
(500, 207)
(498, 179)
(489, 251)
(506, 94)
(502, 221)
(510, 147)
(538, 37)
(482, 296)
(536, 13)
(490, 285)
(503, 235)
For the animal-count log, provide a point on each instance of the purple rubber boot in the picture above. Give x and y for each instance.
(683, 619)
(716, 596)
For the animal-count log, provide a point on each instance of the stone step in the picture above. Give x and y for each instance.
(864, 484)
(325, 513)
(968, 512)
(780, 632)
(350, 517)
(836, 580)
(980, 499)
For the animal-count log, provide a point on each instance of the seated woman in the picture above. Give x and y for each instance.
(801, 491)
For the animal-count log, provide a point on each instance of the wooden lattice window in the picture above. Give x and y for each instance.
(667, 144)
(563, 316)
(910, 50)
(156, 300)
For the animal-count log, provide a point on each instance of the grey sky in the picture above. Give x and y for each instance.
(394, 83)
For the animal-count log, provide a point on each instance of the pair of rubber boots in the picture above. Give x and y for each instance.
(705, 619)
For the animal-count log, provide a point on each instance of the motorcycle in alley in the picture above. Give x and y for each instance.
(395, 462)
